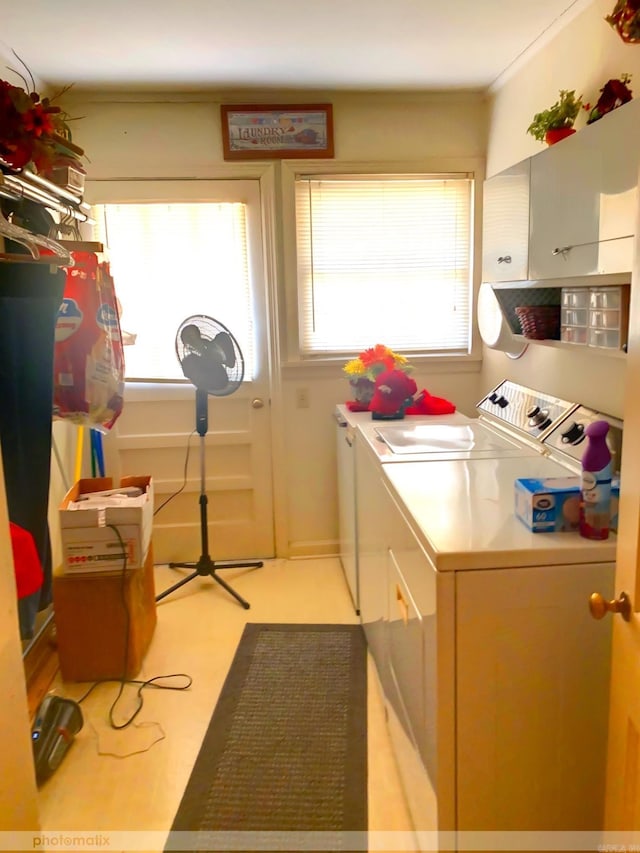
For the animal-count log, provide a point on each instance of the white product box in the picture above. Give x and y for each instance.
(88, 544)
(552, 504)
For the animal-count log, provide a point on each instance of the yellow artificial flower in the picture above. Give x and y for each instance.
(355, 368)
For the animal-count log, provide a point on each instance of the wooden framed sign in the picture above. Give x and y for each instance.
(282, 131)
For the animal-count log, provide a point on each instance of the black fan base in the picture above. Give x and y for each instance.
(207, 566)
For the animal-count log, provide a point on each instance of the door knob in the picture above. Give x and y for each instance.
(257, 403)
(599, 606)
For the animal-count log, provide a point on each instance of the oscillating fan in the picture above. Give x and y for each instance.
(212, 360)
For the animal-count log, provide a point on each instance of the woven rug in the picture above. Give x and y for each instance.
(283, 764)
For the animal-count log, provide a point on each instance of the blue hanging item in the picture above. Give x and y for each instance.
(97, 454)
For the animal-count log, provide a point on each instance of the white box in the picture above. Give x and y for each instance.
(552, 504)
(89, 546)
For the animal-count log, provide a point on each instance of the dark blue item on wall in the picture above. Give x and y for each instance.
(30, 296)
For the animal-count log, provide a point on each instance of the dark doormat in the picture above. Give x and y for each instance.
(283, 764)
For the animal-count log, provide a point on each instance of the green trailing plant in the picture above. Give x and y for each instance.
(562, 114)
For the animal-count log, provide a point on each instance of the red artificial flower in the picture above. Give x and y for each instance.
(38, 121)
(379, 354)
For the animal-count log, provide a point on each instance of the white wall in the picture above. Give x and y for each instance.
(582, 57)
(143, 136)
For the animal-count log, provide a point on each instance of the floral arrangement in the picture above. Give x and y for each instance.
(375, 360)
(374, 369)
(33, 129)
(613, 94)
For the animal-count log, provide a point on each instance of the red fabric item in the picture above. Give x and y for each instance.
(393, 387)
(426, 404)
(354, 406)
(29, 575)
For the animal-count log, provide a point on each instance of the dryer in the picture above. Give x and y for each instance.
(495, 674)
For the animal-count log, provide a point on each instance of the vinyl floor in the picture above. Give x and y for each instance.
(132, 780)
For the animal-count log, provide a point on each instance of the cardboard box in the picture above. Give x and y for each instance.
(93, 612)
(88, 545)
(552, 504)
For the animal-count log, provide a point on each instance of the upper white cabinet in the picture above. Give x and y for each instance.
(583, 194)
(505, 225)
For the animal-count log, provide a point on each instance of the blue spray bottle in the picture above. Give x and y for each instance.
(595, 498)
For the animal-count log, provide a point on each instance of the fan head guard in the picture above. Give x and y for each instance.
(209, 355)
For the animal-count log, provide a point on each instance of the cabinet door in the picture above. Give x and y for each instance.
(531, 698)
(420, 641)
(583, 193)
(505, 225)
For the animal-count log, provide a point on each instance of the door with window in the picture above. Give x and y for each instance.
(180, 250)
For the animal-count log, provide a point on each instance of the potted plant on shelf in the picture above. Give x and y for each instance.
(613, 94)
(555, 123)
(625, 19)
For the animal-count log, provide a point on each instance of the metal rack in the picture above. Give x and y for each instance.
(38, 189)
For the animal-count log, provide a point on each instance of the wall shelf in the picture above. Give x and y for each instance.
(581, 349)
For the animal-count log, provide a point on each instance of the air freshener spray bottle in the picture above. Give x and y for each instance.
(595, 499)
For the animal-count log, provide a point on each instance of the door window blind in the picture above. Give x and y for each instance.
(384, 258)
(171, 261)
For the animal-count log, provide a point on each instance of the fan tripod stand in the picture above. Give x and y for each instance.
(205, 565)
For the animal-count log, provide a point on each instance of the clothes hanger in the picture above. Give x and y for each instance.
(18, 235)
(31, 241)
(69, 225)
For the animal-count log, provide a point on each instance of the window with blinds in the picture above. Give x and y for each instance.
(384, 258)
(172, 261)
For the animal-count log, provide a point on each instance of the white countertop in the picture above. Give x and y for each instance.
(463, 514)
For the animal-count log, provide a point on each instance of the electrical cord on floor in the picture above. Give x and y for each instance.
(123, 681)
(184, 480)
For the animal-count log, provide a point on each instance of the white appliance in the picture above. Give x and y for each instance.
(495, 674)
(346, 423)
(512, 420)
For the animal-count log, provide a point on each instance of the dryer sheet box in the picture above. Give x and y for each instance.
(552, 504)
(88, 545)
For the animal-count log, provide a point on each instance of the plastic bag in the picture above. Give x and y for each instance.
(88, 378)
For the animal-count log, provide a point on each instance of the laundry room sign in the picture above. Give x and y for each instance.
(277, 131)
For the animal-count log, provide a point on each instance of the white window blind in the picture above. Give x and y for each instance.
(172, 261)
(384, 259)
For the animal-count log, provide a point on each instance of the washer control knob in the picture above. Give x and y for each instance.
(493, 398)
(502, 402)
(533, 411)
(540, 418)
(574, 434)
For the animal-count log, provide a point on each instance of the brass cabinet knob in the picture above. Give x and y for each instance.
(257, 403)
(599, 606)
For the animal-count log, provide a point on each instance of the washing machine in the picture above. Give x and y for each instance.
(495, 673)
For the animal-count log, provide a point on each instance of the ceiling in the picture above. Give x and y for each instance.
(380, 45)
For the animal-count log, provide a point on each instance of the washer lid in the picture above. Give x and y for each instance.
(494, 329)
(449, 441)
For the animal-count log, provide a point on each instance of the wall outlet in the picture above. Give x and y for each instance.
(302, 398)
